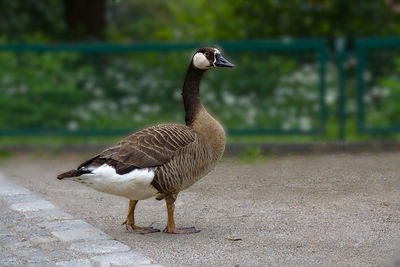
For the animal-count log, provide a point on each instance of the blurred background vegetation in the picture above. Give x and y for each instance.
(79, 91)
(202, 20)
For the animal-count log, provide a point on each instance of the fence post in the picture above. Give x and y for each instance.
(323, 58)
(360, 52)
(340, 47)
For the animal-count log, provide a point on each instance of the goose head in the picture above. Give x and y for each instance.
(208, 57)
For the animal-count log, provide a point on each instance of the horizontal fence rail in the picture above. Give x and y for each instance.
(283, 45)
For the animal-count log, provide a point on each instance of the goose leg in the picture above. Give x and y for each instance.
(170, 228)
(130, 221)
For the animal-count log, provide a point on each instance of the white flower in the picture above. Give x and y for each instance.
(137, 117)
(330, 96)
(251, 115)
(81, 113)
(88, 85)
(367, 76)
(385, 92)
(312, 77)
(229, 99)
(367, 99)
(210, 97)
(286, 126)
(298, 76)
(304, 123)
(273, 111)
(145, 108)
(23, 89)
(112, 106)
(72, 125)
(156, 108)
(307, 68)
(310, 95)
(96, 105)
(375, 91)
(130, 100)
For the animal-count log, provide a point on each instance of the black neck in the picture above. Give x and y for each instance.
(190, 93)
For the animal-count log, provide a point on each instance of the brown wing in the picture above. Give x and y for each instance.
(150, 147)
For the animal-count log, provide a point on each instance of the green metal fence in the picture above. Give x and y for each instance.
(378, 81)
(269, 54)
(286, 87)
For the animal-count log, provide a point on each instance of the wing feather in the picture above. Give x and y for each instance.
(150, 147)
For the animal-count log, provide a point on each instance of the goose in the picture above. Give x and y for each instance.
(162, 160)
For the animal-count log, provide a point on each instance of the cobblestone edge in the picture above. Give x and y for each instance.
(33, 231)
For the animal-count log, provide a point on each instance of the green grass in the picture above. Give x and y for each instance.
(5, 154)
(251, 154)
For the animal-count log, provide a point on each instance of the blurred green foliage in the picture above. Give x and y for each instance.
(382, 95)
(68, 90)
(118, 91)
(206, 20)
(32, 21)
(39, 90)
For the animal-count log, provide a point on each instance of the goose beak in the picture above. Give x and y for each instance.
(222, 62)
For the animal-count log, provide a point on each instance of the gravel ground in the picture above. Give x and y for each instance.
(297, 210)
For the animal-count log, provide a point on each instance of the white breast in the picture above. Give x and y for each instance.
(135, 185)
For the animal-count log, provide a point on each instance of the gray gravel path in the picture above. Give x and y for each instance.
(321, 210)
(35, 232)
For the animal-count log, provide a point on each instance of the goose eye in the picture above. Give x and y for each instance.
(207, 54)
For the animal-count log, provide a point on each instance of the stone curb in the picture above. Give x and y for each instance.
(33, 231)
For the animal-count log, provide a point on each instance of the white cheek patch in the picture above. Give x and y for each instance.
(200, 61)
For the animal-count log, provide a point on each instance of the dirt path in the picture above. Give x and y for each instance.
(299, 210)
